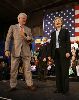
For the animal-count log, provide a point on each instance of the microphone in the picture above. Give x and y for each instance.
(25, 34)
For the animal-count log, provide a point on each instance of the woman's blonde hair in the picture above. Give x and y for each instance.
(58, 18)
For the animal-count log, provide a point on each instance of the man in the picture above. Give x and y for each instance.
(20, 36)
(60, 49)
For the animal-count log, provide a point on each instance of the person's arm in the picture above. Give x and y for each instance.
(68, 44)
(8, 40)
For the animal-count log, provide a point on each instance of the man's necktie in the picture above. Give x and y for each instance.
(21, 31)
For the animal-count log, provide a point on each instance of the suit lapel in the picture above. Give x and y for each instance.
(17, 28)
(26, 30)
(60, 34)
(55, 37)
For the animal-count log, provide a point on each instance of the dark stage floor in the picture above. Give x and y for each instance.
(45, 91)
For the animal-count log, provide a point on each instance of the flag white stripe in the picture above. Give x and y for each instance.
(77, 38)
(76, 12)
(77, 20)
(72, 38)
(76, 29)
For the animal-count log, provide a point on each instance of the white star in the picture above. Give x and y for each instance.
(72, 34)
(72, 21)
(72, 27)
(56, 12)
(67, 21)
(72, 9)
(51, 13)
(70, 13)
(64, 14)
(47, 15)
(67, 10)
(61, 11)
(53, 26)
(50, 30)
(46, 25)
(50, 36)
(48, 22)
(64, 19)
(69, 24)
(61, 17)
(48, 33)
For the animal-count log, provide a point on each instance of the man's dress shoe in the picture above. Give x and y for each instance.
(31, 88)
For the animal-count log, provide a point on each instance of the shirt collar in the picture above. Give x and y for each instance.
(21, 26)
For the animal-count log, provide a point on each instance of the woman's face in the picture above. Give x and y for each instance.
(58, 23)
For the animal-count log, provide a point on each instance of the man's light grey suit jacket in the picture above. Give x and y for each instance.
(18, 44)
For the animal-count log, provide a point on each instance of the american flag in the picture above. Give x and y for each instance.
(70, 18)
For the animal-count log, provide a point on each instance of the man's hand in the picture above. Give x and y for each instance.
(67, 55)
(7, 53)
(28, 38)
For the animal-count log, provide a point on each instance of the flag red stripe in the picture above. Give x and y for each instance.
(76, 7)
(76, 24)
(76, 16)
(76, 34)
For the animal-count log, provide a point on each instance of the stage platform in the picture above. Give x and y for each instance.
(45, 91)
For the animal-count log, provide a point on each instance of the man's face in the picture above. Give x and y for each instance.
(22, 20)
(58, 23)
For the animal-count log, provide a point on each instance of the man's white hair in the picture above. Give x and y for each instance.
(22, 14)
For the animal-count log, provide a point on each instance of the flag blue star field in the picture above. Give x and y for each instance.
(70, 18)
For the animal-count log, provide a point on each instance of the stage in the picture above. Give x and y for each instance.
(45, 91)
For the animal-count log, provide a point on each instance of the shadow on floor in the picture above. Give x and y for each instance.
(45, 91)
